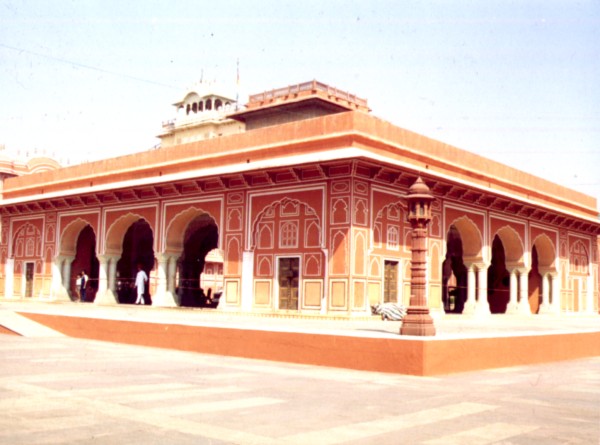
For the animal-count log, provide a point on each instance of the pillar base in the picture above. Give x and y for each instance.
(545, 309)
(417, 321)
(482, 308)
(107, 298)
(60, 294)
(469, 308)
(524, 308)
(165, 299)
(512, 308)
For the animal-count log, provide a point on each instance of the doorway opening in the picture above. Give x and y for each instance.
(288, 278)
(137, 249)
(29, 272)
(390, 282)
(201, 238)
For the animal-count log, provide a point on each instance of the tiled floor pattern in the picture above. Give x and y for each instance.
(70, 391)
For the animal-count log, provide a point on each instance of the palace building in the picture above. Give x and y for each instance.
(296, 203)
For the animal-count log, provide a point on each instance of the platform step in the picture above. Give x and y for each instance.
(24, 326)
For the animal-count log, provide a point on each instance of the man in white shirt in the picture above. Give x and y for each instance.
(140, 284)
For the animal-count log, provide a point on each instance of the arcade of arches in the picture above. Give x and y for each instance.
(285, 251)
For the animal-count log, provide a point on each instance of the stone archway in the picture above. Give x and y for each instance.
(463, 249)
(454, 274)
(472, 241)
(542, 276)
(507, 257)
(131, 239)
(191, 235)
(77, 249)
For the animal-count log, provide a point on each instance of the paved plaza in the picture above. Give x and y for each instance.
(60, 390)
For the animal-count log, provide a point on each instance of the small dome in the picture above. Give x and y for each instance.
(419, 188)
(42, 163)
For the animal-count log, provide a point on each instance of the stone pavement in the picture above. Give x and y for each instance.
(61, 390)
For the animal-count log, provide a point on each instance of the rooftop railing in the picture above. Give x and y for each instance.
(308, 86)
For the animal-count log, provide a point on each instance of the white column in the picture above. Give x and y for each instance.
(483, 306)
(9, 278)
(171, 279)
(469, 307)
(524, 308)
(247, 279)
(102, 274)
(106, 280)
(555, 293)
(163, 297)
(545, 306)
(66, 275)
(58, 291)
(512, 307)
(112, 274)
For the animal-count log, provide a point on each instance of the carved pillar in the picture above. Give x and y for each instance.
(483, 306)
(58, 290)
(106, 280)
(172, 278)
(469, 307)
(513, 304)
(418, 320)
(524, 308)
(545, 306)
(163, 297)
(66, 274)
(112, 274)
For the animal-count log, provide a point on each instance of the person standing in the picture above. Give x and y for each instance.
(83, 284)
(78, 287)
(140, 284)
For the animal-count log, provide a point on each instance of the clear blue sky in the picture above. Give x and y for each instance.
(515, 81)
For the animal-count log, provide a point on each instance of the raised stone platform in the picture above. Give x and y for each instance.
(461, 344)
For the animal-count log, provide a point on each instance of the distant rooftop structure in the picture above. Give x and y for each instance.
(11, 165)
(296, 102)
(201, 114)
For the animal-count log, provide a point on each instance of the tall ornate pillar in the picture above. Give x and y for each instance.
(469, 307)
(513, 304)
(418, 320)
(524, 308)
(483, 306)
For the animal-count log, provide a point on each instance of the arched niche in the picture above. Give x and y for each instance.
(513, 246)
(471, 238)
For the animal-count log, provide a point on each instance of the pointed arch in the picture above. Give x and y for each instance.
(546, 251)
(513, 246)
(472, 240)
(67, 243)
(116, 232)
(277, 207)
(176, 229)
